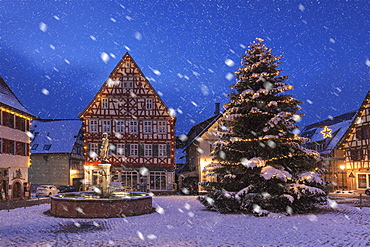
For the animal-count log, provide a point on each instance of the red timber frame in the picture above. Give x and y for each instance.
(128, 108)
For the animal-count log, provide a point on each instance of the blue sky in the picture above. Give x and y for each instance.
(55, 55)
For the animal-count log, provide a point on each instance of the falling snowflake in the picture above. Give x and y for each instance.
(367, 62)
(140, 235)
(45, 91)
(229, 62)
(332, 40)
(52, 47)
(105, 57)
(229, 76)
(301, 7)
(138, 36)
(159, 210)
(92, 37)
(43, 27)
(204, 89)
(113, 20)
(144, 171)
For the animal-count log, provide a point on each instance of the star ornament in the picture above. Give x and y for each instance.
(326, 132)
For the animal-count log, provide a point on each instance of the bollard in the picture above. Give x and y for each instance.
(360, 201)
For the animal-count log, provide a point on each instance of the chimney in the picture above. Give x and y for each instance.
(217, 108)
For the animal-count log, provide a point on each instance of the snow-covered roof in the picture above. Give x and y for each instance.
(338, 126)
(54, 136)
(9, 100)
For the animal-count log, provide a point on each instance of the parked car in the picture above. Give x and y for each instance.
(367, 191)
(68, 188)
(46, 190)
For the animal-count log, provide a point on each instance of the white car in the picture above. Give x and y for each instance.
(46, 190)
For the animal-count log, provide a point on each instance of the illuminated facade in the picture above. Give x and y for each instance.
(14, 145)
(140, 130)
(326, 138)
(356, 148)
(199, 164)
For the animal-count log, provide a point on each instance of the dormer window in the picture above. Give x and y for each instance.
(47, 147)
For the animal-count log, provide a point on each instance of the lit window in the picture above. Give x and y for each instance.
(133, 127)
(104, 103)
(120, 126)
(149, 104)
(93, 126)
(162, 127)
(94, 150)
(162, 150)
(106, 126)
(134, 150)
(120, 149)
(147, 127)
(148, 150)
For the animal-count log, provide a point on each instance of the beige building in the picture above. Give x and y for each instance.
(56, 152)
(14, 145)
(199, 164)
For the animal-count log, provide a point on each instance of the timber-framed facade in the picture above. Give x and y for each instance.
(356, 149)
(140, 130)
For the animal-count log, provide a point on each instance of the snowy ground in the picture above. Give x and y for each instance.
(182, 221)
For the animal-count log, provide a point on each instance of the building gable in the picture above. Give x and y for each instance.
(128, 94)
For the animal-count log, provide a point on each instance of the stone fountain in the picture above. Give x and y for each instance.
(101, 203)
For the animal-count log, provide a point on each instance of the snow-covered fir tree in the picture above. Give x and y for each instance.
(264, 166)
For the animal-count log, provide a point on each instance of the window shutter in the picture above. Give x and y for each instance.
(127, 149)
(155, 150)
(141, 150)
(168, 150)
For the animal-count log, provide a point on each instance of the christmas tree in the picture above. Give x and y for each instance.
(263, 165)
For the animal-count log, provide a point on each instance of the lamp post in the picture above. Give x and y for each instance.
(342, 168)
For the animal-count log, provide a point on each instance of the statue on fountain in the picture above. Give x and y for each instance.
(104, 148)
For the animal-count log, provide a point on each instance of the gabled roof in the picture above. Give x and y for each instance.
(199, 129)
(61, 135)
(338, 126)
(117, 70)
(10, 101)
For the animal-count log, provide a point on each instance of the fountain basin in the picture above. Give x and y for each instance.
(89, 205)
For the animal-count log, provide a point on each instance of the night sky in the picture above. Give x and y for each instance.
(55, 55)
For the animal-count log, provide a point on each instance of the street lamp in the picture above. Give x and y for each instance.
(342, 168)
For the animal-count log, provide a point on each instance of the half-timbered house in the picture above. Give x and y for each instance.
(356, 149)
(140, 131)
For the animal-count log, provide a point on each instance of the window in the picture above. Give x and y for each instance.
(11, 147)
(356, 155)
(47, 147)
(147, 127)
(120, 126)
(134, 150)
(148, 150)
(361, 180)
(78, 150)
(149, 104)
(94, 150)
(162, 150)
(120, 149)
(106, 126)
(362, 133)
(93, 126)
(11, 120)
(34, 146)
(158, 180)
(104, 103)
(133, 127)
(130, 180)
(162, 127)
